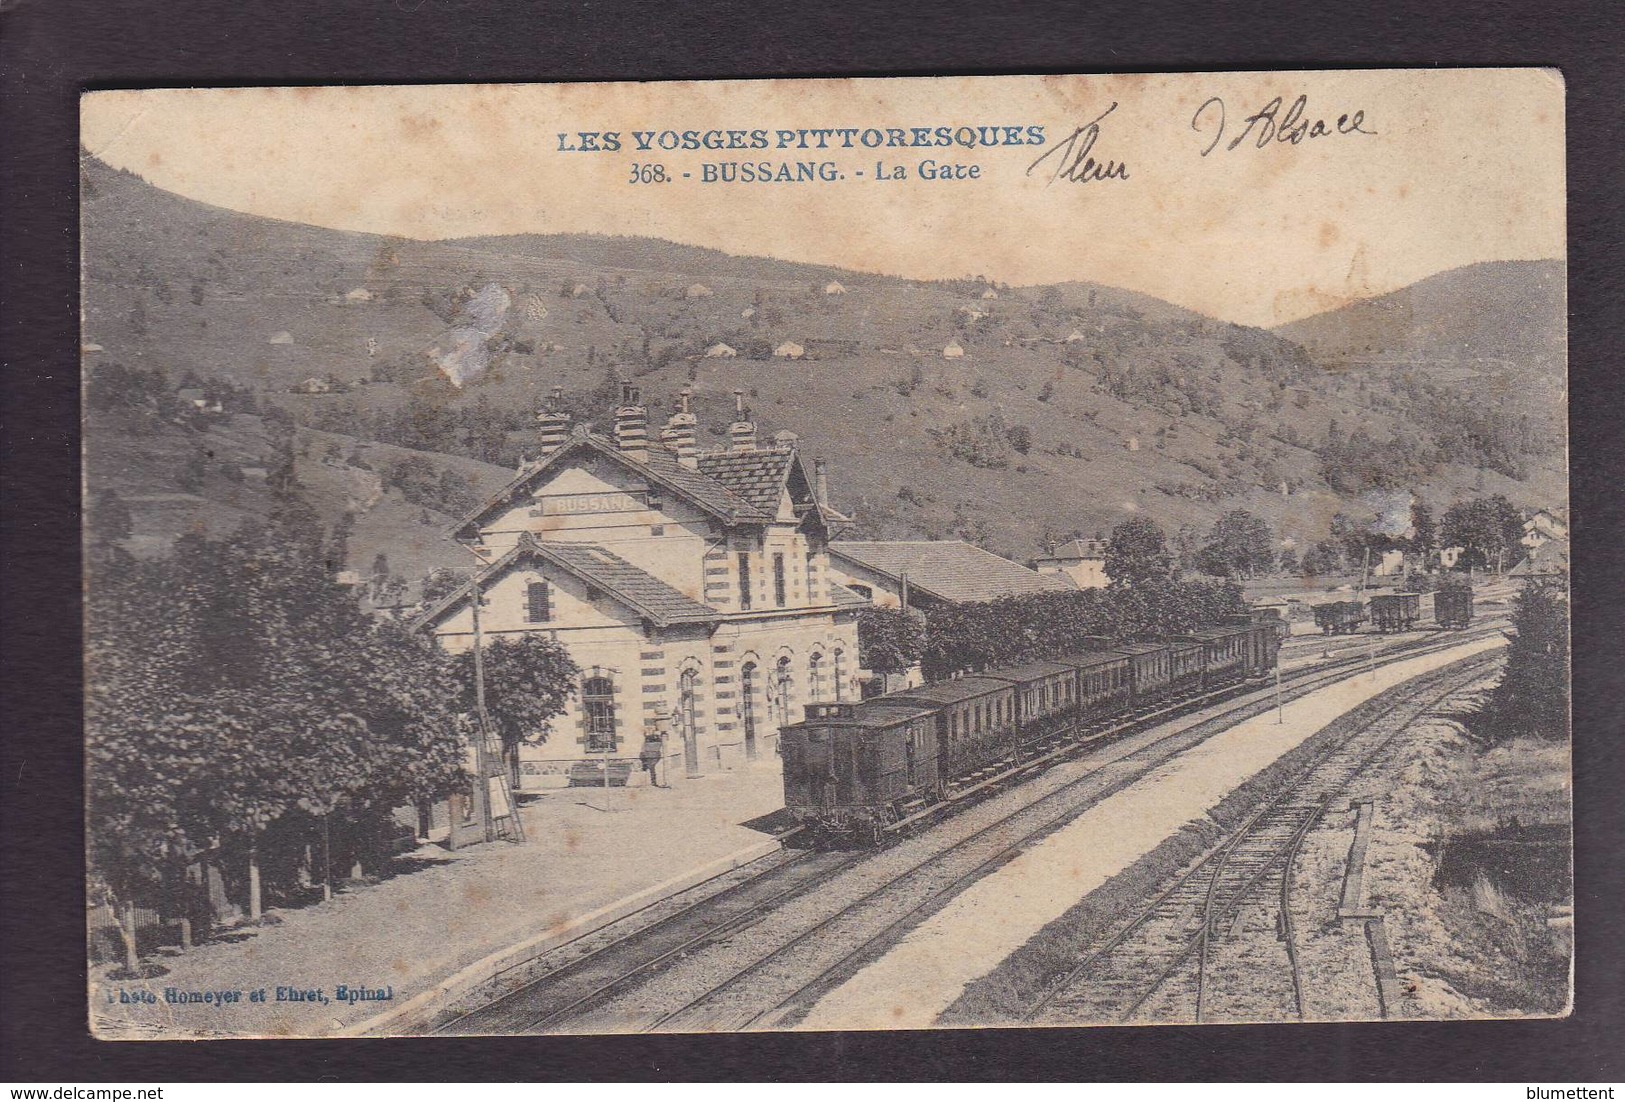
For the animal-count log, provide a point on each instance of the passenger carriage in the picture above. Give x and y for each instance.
(1150, 672)
(976, 721)
(1226, 652)
(1185, 667)
(1046, 696)
(1104, 685)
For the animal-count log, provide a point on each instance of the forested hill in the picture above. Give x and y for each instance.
(1484, 318)
(1010, 416)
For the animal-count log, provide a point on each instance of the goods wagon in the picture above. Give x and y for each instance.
(1395, 611)
(1453, 607)
(1340, 617)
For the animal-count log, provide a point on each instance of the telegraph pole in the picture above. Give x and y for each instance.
(482, 790)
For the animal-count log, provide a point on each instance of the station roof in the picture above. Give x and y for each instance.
(948, 570)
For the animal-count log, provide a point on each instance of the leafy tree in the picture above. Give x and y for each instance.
(1532, 697)
(528, 680)
(240, 706)
(1240, 545)
(1137, 553)
(1424, 532)
(889, 640)
(1487, 529)
(441, 581)
(1020, 438)
(976, 636)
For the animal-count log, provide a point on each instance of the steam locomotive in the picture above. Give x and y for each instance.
(852, 770)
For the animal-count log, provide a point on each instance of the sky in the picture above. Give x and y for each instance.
(1446, 168)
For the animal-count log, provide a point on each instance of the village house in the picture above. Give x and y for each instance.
(1542, 528)
(1082, 561)
(691, 587)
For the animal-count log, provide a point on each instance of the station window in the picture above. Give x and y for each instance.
(537, 610)
(744, 580)
(598, 706)
(778, 580)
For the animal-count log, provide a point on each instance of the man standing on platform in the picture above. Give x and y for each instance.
(653, 753)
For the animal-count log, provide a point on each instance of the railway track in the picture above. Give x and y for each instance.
(623, 962)
(1158, 966)
(771, 976)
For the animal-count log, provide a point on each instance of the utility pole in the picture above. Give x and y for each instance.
(482, 789)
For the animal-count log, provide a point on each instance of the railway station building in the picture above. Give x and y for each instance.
(692, 587)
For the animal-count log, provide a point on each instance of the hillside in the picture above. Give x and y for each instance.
(1501, 316)
(1071, 407)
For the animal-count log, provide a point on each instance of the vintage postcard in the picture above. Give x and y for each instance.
(826, 555)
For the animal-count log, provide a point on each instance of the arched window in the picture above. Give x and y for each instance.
(815, 670)
(781, 691)
(598, 706)
(840, 673)
(747, 706)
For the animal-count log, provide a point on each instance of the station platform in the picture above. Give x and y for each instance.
(441, 922)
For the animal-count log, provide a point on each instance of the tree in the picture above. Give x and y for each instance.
(240, 707)
(1240, 545)
(441, 581)
(528, 680)
(889, 640)
(1137, 553)
(1424, 533)
(1532, 697)
(1487, 529)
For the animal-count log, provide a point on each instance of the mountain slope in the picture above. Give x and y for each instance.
(1068, 409)
(1496, 316)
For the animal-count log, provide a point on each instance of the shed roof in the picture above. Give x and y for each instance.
(949, 570)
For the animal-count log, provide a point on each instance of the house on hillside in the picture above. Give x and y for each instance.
(1542, 528)
(1549, 559)
(720, 351)
(194, 398)
(1074, 337)
(990, 294)
(281, 337)
(833, 287)
(789, 350)
(953, 350)
(1083, 562)
(922, 573)
(697, 290)
(692, 587)
(1390, 563)
(358, 296)
(312, 385)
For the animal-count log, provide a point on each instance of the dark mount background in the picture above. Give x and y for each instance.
(50, 51)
